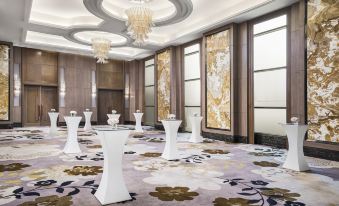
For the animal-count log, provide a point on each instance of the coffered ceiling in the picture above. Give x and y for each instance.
(69, 25)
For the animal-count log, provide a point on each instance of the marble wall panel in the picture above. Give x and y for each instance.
(218, 81)
(163, 83)
(323, 70)
(4, 83)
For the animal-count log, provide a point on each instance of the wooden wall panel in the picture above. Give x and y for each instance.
(297, 63)
(241, 83)
(39, 67)
(78, 70)
(134, 88)
(111, 75)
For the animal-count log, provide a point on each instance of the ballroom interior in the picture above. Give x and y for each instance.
(169, 102)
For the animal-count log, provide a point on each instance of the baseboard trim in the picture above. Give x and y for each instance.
(6, 126)
(225, 138)
(271, 140)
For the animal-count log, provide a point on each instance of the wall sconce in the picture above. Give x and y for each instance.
(62, 90)
(94, 89)
(17, 85)
(62, 87)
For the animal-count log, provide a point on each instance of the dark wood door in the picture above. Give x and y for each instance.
(32, 106)
(49, 100)
(107, 101)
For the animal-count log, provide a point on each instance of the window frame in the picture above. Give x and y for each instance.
(251, 107)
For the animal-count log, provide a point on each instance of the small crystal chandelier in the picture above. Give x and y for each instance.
(101, 47)
(139, 23)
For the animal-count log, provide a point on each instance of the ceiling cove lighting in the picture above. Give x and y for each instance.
(101, 47)
(139, 23)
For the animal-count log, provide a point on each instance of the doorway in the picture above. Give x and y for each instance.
(109, 100)
(38, 101)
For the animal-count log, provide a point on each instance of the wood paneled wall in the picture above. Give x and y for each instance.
(297, 62)
(134, 88)
(78, 71)
(111, 75)
(39, 67)
(241, 82)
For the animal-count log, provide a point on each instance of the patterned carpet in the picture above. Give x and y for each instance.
(34, 171)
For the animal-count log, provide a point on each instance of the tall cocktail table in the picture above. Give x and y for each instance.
(112, 186)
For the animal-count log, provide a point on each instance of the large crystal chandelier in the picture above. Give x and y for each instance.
(101, 47)
(139, 23)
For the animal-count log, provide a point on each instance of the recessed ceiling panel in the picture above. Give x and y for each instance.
(206, 14)
(62, 13)
(86, 36)
(52, 40)
(43, 39)
(162, 9)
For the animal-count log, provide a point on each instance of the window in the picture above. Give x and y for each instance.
(149, 92)
(191, 82)
(269, 75)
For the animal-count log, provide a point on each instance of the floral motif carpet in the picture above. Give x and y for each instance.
(35, 171)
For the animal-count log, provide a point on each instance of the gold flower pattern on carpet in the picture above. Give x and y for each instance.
(52, 200)
(84, 170)
(266, 164)
(151, 154)
(215, 151)
(13, 167)
(173, 193)
(282, 194)
(97, 146)
(220, 201)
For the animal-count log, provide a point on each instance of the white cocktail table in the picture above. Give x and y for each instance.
(53, 116)
(196, 129)
(72, 145)
(88, 125)
(138, 117)
(295, 157)
(171, 129)
(112, 186)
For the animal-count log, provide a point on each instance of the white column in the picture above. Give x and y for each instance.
(72, 145)
(88, 125)
(112, 187)
(196, 129)
(53, 116)
(295, 157)
(171, 129)
(138, 117)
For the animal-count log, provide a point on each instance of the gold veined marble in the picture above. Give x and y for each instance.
(163, 83)
(323, 70)
(4, 82)
(218, 77)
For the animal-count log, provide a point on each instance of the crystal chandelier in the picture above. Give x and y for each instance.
(101, 47)
(139, 23)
